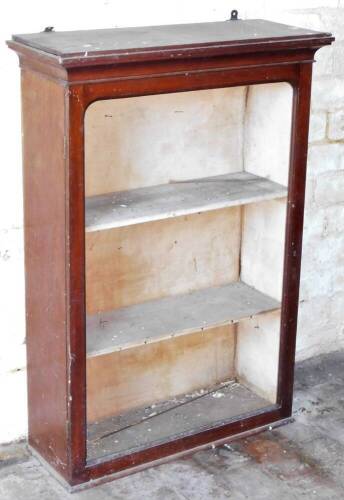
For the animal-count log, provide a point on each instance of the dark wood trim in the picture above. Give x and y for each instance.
(266, 417)
(44, 228)
(76, 290)
(293, 239)
(193, 80)
(197, 52)
(39, 61)
(174, 52)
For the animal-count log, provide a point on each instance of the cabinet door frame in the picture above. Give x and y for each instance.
(167, 79)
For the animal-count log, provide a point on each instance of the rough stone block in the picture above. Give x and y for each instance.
(327, 93)
(322, 265)
(329, 189)
(313, 224)
(338, 58)
(309, 197)
(321, 281)
(334, 221)
(316, 284)
(317, 126)
(336, 124)
(322, 336)
(320, 278)
(324, 222)
(321, 253)
(324, 158)
(324, 62)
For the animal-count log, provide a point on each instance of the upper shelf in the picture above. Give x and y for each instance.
(75, 48)
(178, 198)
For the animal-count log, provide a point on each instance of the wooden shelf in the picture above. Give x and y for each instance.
(178, 198)
(145, 427)
(171, 316)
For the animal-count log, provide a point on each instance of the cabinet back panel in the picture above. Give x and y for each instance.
(144, 375)
(151, 140)
(133, 264)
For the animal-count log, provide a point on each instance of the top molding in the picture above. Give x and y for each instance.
(73, 49)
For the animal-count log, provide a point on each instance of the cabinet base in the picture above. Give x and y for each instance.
(117, 475)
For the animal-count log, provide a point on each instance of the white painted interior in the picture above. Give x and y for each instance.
(321, 319)
(266, 153)
(267, 131)
(163, 138)
(263, 226)
(257, 354)
(126, 266)
(127, 148)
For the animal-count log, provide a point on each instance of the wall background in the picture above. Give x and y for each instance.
(321, 317)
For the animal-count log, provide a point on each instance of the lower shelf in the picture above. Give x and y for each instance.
(171, 316)
(168, 420)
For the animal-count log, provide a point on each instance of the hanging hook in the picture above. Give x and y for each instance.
(234, 15)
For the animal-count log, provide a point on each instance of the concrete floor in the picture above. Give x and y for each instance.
(304, 459)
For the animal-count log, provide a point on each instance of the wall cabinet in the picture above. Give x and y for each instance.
(164, 180)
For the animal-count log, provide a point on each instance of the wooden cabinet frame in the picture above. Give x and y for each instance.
(56, 94)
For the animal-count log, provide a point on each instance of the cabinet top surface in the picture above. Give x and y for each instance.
(121, 43)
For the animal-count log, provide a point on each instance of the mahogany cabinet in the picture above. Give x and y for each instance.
(164, 184)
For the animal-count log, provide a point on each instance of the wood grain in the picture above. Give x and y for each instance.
(133, 264)
(174, 316)
(45, 263)
(167, 201)
(126, 146)
(179, 420)
(122, 380)
(171, 42)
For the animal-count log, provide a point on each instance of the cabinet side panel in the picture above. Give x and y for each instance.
(43, 107)
(266, 154)
(267, 131)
